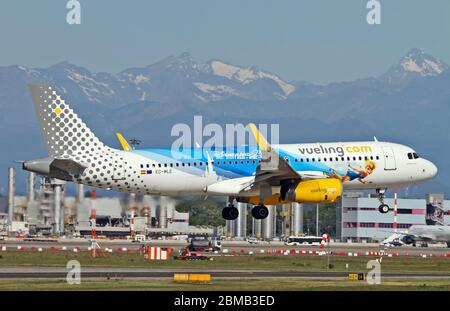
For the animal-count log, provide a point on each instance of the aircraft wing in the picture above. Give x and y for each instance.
(272, 171)
(272, 168)
(424, 237)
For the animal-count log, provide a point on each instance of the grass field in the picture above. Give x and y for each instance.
(262, 262)
(223, 284)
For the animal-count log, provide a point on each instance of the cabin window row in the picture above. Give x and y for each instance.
(337, 159)
(218, 163)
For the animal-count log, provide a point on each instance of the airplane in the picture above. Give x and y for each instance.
(260, 174)
(421, 233)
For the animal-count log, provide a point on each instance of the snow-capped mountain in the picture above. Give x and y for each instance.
(415, 64)
(205, 82)
(146, 102)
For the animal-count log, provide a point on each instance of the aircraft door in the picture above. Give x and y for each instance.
(389, 158)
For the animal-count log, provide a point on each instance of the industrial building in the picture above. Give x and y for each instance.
(46, 210)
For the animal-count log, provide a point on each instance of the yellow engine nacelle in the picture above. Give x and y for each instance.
(310, 191)
(315, 191)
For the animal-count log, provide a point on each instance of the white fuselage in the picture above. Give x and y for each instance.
(166, 175)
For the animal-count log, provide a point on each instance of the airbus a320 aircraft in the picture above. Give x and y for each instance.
(421, 233)
(262, 174)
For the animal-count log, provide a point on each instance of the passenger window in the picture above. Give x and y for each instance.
(296, 160)
(165, 164)
(378, 157)
(301, 160)
(313, 159)
(360, 158)
(159, 164)
(171, 164)
(354, 158)
(178, 164)
(307, 159)
(371, 157)
(195, 163)
(142, 165)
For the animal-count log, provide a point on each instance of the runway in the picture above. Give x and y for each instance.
(122, 273)
(231, 246)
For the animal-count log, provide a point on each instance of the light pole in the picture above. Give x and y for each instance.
(317, 219)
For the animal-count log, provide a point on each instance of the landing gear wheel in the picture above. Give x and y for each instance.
(260, 212)
(383, 208)
(230, 213)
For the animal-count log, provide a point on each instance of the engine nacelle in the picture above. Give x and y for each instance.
(310, 191)
(408, 239)
(326, 190)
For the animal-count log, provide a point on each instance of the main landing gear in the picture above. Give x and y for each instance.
(230, 212)
(260, 211)
(383, 208)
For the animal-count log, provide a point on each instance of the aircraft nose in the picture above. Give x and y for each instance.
(430, 170)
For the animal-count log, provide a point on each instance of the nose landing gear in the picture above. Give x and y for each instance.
(383, 208)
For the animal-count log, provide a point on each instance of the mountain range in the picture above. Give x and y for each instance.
(409, 103)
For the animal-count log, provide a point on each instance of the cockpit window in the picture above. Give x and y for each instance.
(413, 155)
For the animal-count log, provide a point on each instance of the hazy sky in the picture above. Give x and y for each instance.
(315, 40)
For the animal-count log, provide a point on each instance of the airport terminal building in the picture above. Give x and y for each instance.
(358, 218)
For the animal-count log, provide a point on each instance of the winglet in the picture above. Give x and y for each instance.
(260, 140)
(123, 142)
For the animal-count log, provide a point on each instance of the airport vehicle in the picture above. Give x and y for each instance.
(139, 238)
(187, 254)
(204, 245)
(303, 240)
(253, 240)
(21, 228)
(260, 174)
